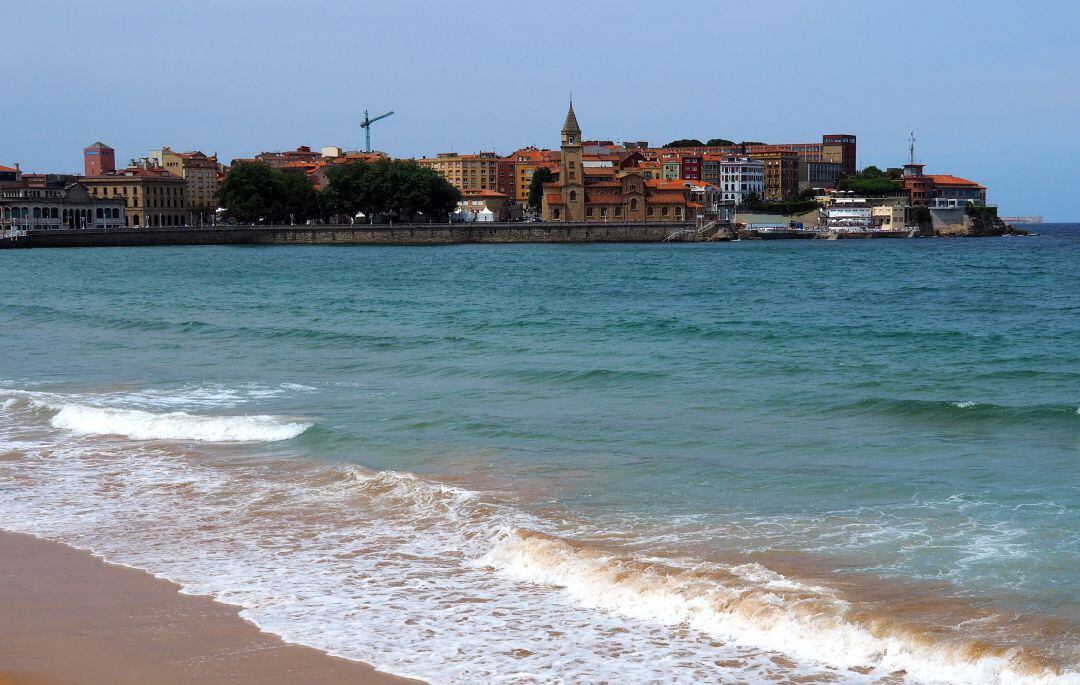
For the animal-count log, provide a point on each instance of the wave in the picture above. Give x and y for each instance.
(753, 606)
(143, 425)
(963, 410)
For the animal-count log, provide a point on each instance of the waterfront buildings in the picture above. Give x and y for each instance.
(57, 203)
(482, 205)
(611, 195)
(201, 174)
(834, 147)
(781, 174)
(819, 175)
(151, 197)
(740, 176)
(940, 191)
(466, 172)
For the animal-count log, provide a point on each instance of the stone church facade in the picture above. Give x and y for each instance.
(628, 197)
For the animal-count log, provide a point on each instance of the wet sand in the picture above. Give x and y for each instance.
(67, 617)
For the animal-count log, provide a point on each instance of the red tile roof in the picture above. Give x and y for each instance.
(604, 198)
(7, 169)
(947, 180)
(554, 199)
(666, 197)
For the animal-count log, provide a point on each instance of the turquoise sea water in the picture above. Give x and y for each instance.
(898, 420)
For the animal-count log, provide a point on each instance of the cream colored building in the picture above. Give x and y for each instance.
(200, 172)
(466, 172)
(152, 197)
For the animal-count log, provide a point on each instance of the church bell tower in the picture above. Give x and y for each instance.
(572, 175)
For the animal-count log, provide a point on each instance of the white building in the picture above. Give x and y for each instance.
(848, 214)
(740, 176)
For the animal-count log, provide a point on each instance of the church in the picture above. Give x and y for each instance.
(623, 196)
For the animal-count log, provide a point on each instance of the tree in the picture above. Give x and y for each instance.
(751, 201)
(541, 176)
(251, 192)
(299, 198)
(685, 142)
(719, 142)
(255, 192)
(869, 181)
(402, 189)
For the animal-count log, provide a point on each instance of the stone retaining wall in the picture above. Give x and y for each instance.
(403, 234)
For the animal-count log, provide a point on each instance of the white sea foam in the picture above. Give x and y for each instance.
(967, 404)
(444, 583)
(142, 425)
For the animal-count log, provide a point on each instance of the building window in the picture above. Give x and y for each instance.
(588, 212)
(573, 195)
(633, 204)
(650, 211)
(664, 211)
(618, 211)
(555, 213)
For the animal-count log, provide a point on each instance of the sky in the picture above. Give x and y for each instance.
(990, 88)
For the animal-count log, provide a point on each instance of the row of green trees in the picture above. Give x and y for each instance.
(254, 192)
(871, 181)
(694, 142)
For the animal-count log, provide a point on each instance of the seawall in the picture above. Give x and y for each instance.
(356, 234)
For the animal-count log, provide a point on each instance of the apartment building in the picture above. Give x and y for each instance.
(201, 174)
(466, 172)
(151, 197)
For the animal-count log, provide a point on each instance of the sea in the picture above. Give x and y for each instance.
(747, 462)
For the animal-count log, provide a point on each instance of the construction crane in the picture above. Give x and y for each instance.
(366, 125)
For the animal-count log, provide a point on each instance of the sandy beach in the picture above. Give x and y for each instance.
(67, 617)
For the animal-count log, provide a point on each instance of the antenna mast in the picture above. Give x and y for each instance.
(911, 148)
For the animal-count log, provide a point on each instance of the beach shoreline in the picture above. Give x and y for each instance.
(67, 616)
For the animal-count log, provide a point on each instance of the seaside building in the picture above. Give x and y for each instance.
(526, 161)
(98, 159)
(466, 172)
(834, 147)
(740, 176)
(200, 172)
(781, 173)
(56, 203)
(482, 205)
(819, 175)
(604, 194)
(940, 191)
(151, 197)
(847, 214)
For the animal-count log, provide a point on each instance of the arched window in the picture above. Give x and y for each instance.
(664, 211)
(37, 212)
(555, 213)
(573, 195)
(54, 213)
(100, 214)
(633, 204)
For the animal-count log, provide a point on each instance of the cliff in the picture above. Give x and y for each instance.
(975, 222)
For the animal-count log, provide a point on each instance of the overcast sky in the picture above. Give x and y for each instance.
(991, 88)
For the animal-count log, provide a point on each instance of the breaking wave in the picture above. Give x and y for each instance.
(752, 606)
(143, 425)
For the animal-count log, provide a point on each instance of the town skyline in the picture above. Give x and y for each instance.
(966, 84)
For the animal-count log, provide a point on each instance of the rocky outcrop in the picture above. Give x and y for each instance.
(975, 222)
